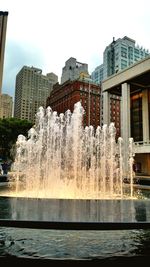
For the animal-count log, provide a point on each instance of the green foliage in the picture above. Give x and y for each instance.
(10, 128)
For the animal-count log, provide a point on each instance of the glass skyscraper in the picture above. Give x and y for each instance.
(120, 54)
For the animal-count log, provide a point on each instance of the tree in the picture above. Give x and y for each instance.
(10, 128)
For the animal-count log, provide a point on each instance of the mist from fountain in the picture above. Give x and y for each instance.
(63, 160)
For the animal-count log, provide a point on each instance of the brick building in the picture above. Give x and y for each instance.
(64, 96)
(115, 109)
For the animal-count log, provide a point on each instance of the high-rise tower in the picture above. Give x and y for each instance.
(31, 92)
(3, 26)
(121, 54)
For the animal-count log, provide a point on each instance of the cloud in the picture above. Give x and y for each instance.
(16, 56)
(46, 36)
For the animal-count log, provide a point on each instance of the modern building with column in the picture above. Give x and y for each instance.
(118, 55)
(3, 26)
(132, 85)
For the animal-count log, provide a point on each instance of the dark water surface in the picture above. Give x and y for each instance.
(70, 246)
(52, 244)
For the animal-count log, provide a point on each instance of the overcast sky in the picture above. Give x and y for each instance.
(46, 33)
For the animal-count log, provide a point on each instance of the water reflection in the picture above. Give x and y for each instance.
(124, 210)
(56, 244)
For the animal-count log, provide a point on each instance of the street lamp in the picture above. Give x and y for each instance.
(89, 104)
(89, 101)
(86, 78)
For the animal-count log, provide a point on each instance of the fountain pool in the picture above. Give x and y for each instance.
(65, 173)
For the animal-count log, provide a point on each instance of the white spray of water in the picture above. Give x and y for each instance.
(62, 159)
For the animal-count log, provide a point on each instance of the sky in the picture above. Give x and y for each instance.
(45, 34)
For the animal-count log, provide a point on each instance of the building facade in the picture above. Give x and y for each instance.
(120, 54)
(3, 26)
(117, 56)
(132, 85)
(6, 106)
(31, 91)
(97, 74)
(73, 69)
(64, 96)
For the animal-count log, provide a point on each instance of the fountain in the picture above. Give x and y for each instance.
(62, 159)
(72, 168)
(65, 173)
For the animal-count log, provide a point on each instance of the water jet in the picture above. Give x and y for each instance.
(70, 177)
(62, 159)
(75, 172)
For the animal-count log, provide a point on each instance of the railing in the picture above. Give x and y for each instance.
(142, 143)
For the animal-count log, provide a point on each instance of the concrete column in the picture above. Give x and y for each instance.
(106, 108)
(145, 115)
(125, 122)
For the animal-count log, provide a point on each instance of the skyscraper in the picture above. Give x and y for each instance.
(3, 26)
(31, 92)
(6, 105)
(97, 74)
(117, 56)
(120, 54)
